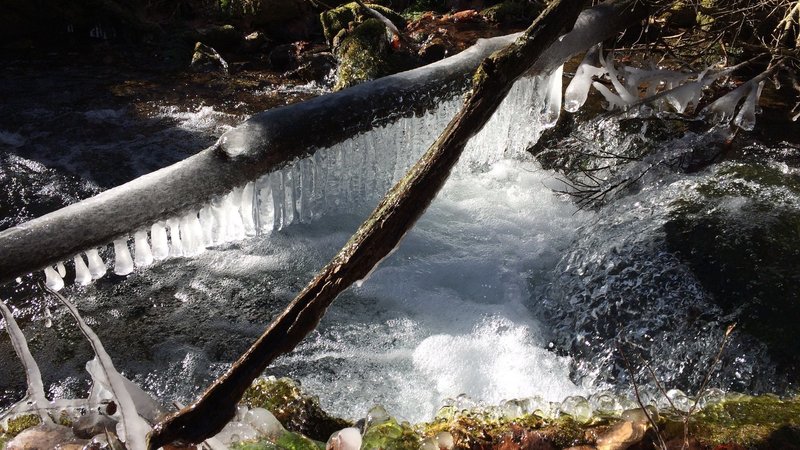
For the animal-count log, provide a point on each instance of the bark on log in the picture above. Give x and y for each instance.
(377, 236)
(266, 142)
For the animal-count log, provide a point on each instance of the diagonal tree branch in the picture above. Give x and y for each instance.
(377, 236)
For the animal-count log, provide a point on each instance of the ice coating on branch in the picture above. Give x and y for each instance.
(96, 265)
(82, 274)
(614, 101)
(132, 429)
(141, 249)
(33, 376)
(722, 110)
(626, 97)
(578, 89)
(158, 238)
(553, 110)
(123, 263)
(52, 279)
(176, 246)
(746, 119)
(688, 94)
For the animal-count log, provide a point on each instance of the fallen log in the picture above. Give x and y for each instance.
(265, 143)
(375, 239)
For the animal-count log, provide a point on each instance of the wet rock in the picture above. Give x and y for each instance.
(254, 42)
(741, 238)
(314, 67)
(92, 424)
(433, 50)
(283, 57)
(222, 37)
(621, 436)
(206, 60)
(41, 437)
(297, 411)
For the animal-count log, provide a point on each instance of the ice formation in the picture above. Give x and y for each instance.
(553, 101)
(96, 265)
(108, 383)
(746, 119)
(123, 263)
(345, 439)
(578, 89)
(82, 274)
(53, 279)
(35, 392)
(142, 255)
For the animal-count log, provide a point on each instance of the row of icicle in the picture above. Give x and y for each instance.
(350, 175)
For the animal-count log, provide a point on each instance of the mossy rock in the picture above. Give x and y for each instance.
(364, 55)
(287, 441)
(391, 434)
(513, 11)
(337, 19)
(297, 411)
(741, 237)
(18, 424)
(756, 422)
(420, 6)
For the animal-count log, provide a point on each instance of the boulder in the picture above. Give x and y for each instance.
(346, 16)
(205, 59)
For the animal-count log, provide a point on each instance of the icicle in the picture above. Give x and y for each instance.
(746, 119)
(246, 209)
(278, 204)
(553, 109)
(626, 97)
(133, 428)
(578, 89)
(96, 265)
(689, 94)
(722, 109)
(207, 223)
(232, 215)
(191, 235)
(613, 99)
(52, 279)
(123, 264)
(33, 376)
(176, 246)
(158, 237)
(141, 249)
(62, 271)
(82, 274)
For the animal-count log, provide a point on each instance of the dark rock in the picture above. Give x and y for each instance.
(224, 37)
(433, 49)
(513, 11)
(254, 42)
(92, 424)
(283, 57)
(314, 67)
(206, 59)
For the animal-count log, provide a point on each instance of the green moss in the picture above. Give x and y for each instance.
(391, 435)
(20, 423)
(338, 19)
(297, 411)
(420, 6)
(287, 441)
(750, 421)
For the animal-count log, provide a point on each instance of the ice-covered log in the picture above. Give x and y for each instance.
(266, 142)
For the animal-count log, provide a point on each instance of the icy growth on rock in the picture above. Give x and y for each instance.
(346, 439)
(158, 237)
(553, 109)
(578, 89)
(746, 119)
(96, 265)
(264, 422)
(235, 432)
(35, 389)
(123, 263)
(132, 429)
(614, 100)
(82, 274)
(142, 254)
(688, 94)
(623, 93)
(52, 279)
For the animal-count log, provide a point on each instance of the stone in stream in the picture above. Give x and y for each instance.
(42, 437)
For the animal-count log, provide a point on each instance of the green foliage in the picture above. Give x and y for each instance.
(287, 441)
(393, 435)
(747, 421)
(21, 423)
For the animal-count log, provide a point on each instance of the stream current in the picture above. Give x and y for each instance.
(504, 289)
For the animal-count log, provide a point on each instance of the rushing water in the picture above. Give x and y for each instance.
(504, 289)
